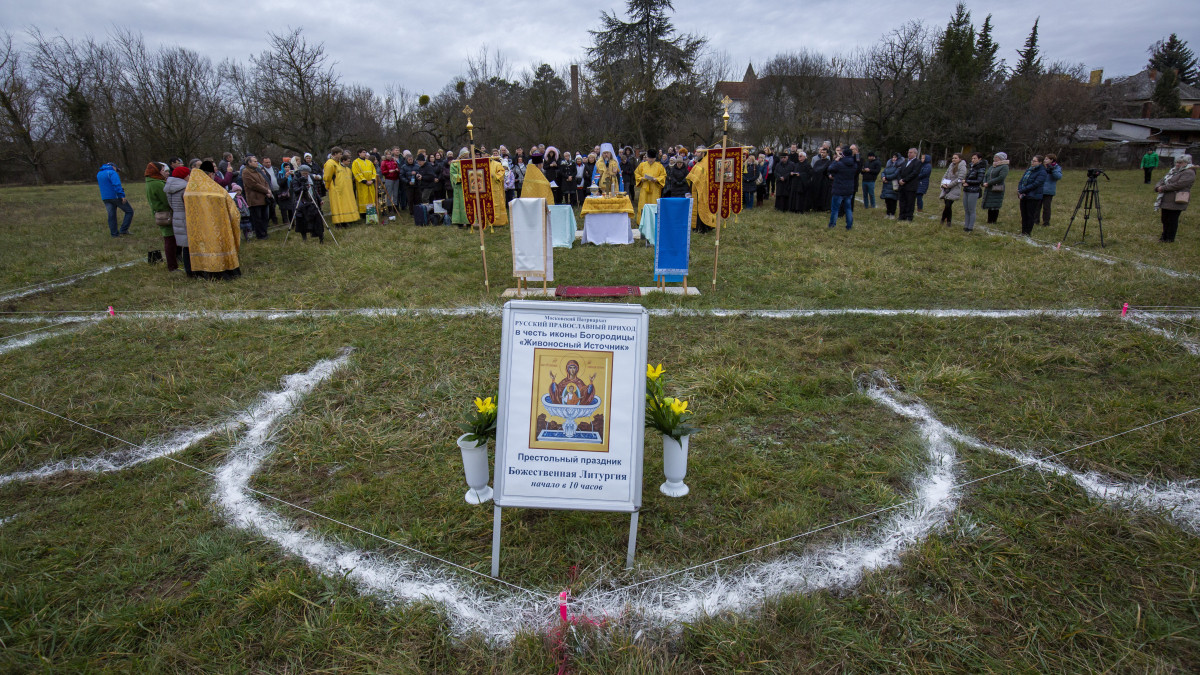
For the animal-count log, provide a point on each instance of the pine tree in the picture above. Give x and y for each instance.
(1030, 63)
(985, 50)
(955, 46)
(1166, 96)
(1174, 54)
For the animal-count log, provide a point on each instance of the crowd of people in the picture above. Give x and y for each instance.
(206, 208)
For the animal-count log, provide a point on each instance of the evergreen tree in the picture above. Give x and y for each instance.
(1030, 63)
(1166, 96)
(635, 61)
(1174, 54)
(955, 46)
(985, 50)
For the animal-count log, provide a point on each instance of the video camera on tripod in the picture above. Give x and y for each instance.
(1089, 199)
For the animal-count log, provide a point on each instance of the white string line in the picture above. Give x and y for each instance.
(294, 506)
(956, 486)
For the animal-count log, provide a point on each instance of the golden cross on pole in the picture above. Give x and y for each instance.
(466, 181)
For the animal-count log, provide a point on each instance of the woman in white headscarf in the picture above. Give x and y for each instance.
(1174, 193)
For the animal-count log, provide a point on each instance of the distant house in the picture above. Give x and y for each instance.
(833, 123)
(739, 93)
(1137, 91)
(1173, 135)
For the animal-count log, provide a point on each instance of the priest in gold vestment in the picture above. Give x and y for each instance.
(650, 178)
(213, 226)
(698, 177)
(339, 183)
(364, 178)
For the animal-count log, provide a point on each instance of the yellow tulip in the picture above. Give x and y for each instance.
(654, 372)
(678, 406)
(485, 405)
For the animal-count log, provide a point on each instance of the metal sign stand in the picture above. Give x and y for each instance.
(629, 553)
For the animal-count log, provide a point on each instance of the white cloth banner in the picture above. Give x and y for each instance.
(532, 243)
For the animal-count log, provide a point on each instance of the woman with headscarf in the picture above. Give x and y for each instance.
(1174, 193)
(173, 189)
(155, 181)
(993, 187)
(888, 192)
(551, 170)
(212, 226)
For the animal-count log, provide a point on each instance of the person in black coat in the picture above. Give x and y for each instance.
(870, 172)
(677, 185)
(908, 177)
(551, 170)
(820, 192)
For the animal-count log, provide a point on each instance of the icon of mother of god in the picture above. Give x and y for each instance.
(571, 390)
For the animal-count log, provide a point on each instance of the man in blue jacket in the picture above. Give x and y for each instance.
(844, 170)
(113, 196)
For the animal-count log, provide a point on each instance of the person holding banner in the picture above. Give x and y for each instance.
(458, 214)
(698, 177)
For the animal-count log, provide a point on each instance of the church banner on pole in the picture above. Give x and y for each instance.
(725, 175)
(477, 190)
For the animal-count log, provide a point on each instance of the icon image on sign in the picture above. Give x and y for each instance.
(571, 401)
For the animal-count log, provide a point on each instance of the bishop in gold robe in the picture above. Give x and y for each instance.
(213, 226)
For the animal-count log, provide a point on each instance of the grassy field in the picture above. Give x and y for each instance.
(141, 570)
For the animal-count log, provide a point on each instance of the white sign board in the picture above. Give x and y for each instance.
(572, 406)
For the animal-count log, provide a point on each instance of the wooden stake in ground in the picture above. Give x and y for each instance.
(721, 189)
(478, 207)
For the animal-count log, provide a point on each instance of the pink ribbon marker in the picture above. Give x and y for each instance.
(1124, 310)
(562, 606)
(1058, 246)
(111, 311)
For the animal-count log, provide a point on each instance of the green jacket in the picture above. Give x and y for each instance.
(1150, 160)
(156, 196)
(995, 175)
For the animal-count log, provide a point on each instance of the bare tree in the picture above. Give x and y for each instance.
(27, 127)
(892, 71)
(179, 92)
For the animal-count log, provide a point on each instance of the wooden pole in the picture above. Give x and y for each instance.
(478, 207)
(721, 190)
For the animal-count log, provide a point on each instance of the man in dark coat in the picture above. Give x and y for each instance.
(844, 170)
(908, 177)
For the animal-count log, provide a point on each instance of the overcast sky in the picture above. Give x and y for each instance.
(421, 44)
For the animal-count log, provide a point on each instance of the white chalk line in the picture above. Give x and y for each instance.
(686, 596)
(15, 342)
(495, 310)
(1151, 323)
(1177, 500)
(42, 287)
(1092, 255)
(8, 519)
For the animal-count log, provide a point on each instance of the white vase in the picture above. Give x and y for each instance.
(475, 468)
(674, 466)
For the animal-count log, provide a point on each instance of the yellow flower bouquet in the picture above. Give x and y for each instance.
(668, 414)
(481, 423)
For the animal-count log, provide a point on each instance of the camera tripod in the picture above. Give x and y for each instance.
(321, 213)
(1088, 199)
